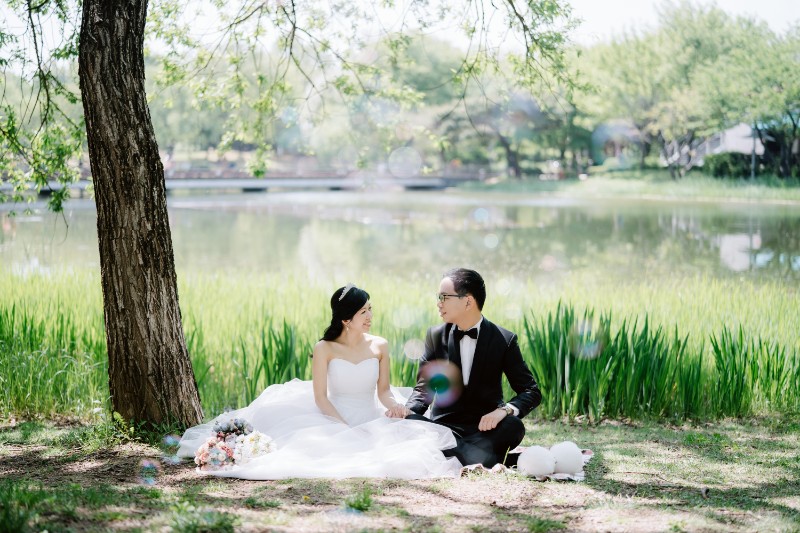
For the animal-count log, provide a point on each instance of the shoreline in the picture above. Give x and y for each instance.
(648, 187)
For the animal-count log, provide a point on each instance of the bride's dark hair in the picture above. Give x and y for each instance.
(344, 308)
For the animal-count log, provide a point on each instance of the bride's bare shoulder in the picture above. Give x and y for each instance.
(377, 341)
(322, 349)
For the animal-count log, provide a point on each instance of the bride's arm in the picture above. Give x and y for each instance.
(319, 372)
(395, 410)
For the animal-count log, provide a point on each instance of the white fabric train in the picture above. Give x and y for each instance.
(312, 445)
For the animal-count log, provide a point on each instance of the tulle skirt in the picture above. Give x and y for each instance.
(312, 445)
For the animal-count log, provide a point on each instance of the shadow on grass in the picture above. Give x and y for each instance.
(82, 486)
(26, 433)
(721, 504)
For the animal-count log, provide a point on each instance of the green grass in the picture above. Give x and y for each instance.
(255, 503)
(729, 476)
(543, 525)
(28, 505)
(656, 184)
(599, 347)
(361, 501)
(188, 518)
(635, 370)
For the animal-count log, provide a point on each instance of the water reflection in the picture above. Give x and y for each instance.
(418, 235)
(736, 250)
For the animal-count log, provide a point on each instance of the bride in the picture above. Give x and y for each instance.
(346, 422)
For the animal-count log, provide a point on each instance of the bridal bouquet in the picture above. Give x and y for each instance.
(252, 445)
(214, 454)
(234, 443)
(228, 431)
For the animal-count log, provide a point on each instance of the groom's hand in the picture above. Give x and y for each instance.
(490, 421)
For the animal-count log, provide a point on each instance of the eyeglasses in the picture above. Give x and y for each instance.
(442, 296)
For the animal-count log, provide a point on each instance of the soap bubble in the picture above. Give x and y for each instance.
(548, 263)
(403, 317)
(504, 286)
(443, 382)
(481, 215)
(288, 115)
(405, 162)
(414, 349)
(491, 241)
(584, 342)
(148, 472)
(169, 450)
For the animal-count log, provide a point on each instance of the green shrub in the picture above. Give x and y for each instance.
(729, 165)
(361, 501)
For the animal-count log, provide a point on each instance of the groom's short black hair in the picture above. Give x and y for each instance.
(467, 281)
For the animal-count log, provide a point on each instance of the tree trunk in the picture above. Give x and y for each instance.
(644, 150)
(150, 374)
(512, 160)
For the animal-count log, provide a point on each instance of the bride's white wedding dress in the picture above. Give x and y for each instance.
(313, 445)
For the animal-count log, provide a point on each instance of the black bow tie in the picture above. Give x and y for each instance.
(469, 333)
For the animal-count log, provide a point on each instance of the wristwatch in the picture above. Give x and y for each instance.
(507, 408)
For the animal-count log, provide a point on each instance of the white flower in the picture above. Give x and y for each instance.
(250, 446)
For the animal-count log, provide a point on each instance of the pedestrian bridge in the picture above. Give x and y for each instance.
(294, 183)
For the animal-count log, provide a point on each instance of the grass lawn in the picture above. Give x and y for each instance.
(726, 476)
(655, 185)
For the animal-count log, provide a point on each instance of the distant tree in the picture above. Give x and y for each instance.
(628, 75)
(692, 39)
(668, 81)
(564, 125)
(426, 65)
(179, 117)
(759, 84)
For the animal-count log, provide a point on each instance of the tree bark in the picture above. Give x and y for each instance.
(644, 150)
(150, 374)
(512, 160)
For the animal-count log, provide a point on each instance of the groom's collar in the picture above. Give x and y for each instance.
(477, 325)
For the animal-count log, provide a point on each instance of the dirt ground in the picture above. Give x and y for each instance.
(626, 490)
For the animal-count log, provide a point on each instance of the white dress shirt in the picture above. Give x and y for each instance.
(467, 347)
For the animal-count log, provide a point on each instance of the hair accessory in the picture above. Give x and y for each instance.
(346, 290)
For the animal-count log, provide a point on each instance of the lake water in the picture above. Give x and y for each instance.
(408, 235)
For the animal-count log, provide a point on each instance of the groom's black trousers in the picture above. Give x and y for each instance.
(474, 446)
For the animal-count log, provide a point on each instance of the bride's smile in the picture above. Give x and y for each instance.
(362, 320)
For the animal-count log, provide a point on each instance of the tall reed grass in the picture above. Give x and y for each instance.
(646, 372)
(679, 349)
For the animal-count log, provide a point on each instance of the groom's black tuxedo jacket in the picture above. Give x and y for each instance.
(496, 353)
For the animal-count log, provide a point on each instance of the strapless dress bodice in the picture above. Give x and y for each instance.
(351, 389)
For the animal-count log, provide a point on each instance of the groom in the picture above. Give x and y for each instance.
(485, 426)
